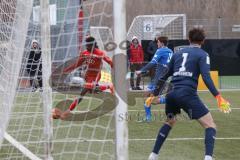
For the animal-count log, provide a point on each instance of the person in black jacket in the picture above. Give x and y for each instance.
(151, 50)
(34, 65)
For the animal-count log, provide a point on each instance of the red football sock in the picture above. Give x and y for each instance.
(73, 105)
(103, 87)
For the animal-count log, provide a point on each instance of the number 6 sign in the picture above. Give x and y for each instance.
(147, 26)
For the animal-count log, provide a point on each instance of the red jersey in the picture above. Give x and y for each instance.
(93, 62)
(136, 54)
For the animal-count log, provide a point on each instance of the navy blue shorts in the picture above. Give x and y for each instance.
(187, 100)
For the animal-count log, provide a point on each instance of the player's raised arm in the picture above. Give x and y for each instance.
(147, 67)
(75, 65)
(150, 64)
(204, 64)
(108, 60)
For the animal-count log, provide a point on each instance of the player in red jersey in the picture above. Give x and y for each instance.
(92, 58)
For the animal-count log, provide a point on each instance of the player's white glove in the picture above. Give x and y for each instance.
(223, 105)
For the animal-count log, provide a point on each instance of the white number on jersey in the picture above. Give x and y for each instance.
(183, 68)
(169, 57)
(208, 60)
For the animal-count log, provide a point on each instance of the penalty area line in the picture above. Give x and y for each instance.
(162, 109)
(187, 139)
(143, 139)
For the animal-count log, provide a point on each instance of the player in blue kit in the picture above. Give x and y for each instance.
(185, 67)
(160, 60)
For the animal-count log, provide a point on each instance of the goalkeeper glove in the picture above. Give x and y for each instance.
(223, 105)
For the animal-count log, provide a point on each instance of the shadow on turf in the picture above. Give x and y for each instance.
(57, 82)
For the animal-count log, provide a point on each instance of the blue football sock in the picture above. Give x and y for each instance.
(149, 117)
(148, 112)
(162, 135)
(210, 134)
(162, 100)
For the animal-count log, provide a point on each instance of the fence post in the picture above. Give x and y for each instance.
(219, 27)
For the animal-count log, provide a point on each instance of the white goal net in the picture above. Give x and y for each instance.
(146, 27)
(103, 36)
(25, 125)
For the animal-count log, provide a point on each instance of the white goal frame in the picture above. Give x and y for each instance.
(146, 27)
(119, 20)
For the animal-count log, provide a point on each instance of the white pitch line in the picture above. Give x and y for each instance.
(185, 139)
(205, 90)
(147, 139)
(162, 109)
(223, 90)
(131, 110)
(20, 147)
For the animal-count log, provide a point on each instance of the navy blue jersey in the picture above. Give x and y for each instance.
(185, 67)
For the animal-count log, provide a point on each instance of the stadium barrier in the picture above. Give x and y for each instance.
(224, 54)
(215, 78)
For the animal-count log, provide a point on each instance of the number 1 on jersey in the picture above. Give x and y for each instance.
(183, 68)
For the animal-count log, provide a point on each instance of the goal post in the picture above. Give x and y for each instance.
(120, 70)
(14, 27)
(46, 71)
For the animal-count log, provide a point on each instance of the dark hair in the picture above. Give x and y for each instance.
(163, 40)
(196, 35)
(90, 40)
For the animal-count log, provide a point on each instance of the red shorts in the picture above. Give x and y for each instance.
(92, 78)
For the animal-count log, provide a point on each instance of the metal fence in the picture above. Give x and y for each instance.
(219, 28)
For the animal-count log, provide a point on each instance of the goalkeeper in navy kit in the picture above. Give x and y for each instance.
(185, 67)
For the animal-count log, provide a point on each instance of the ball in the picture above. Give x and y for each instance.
(77, 81)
